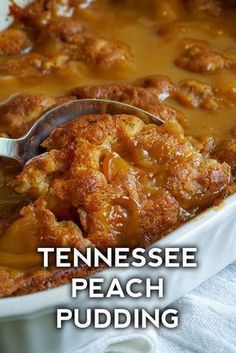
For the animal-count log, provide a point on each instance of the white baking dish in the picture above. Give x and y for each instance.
(28, 323)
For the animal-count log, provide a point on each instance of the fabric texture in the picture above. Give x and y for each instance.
(207, 324)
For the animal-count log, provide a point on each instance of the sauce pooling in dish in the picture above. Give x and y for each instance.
(113, 181)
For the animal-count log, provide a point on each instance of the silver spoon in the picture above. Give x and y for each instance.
(28, 146)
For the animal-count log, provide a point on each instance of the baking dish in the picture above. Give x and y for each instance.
(28, 323)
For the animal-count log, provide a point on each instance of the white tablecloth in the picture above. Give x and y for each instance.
(207, 324)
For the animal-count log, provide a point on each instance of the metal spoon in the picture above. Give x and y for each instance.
(28, 146)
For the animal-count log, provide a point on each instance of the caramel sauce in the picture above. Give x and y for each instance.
(153, 54)
(18, 245)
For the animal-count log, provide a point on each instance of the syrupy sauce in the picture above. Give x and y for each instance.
(153, 54)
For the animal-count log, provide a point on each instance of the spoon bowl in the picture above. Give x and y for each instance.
(28, 146)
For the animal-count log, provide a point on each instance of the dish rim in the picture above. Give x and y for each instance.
(24, 305)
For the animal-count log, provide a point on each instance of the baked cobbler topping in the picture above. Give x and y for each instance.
(113, 180)
(123, 181)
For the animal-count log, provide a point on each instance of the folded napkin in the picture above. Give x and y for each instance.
(121, 343)
(207, 324)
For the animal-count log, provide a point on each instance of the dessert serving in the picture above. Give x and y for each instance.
(113, 180)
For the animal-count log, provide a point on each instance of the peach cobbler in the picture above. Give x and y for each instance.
(113, 180)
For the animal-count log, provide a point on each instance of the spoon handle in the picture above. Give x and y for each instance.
(10, 148)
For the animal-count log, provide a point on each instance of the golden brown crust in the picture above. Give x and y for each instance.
(53, 233)
(204, 7)
(43, 279)
(38, 280)
(14, 41)
(204, 144)
(149, 92)
(33, 64)
(208, 8)
(71, 39)
(195, 94)
(197, 58)
(20, 111)
(144, 98)
(9, 283)
(195, 181)
(160, 85)
(111, 181)
(93, 129)
(67, 29)
(40, 12)
(103, 53)
(31, 12)
(116, 177)
(159, 214)
(226, 152)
